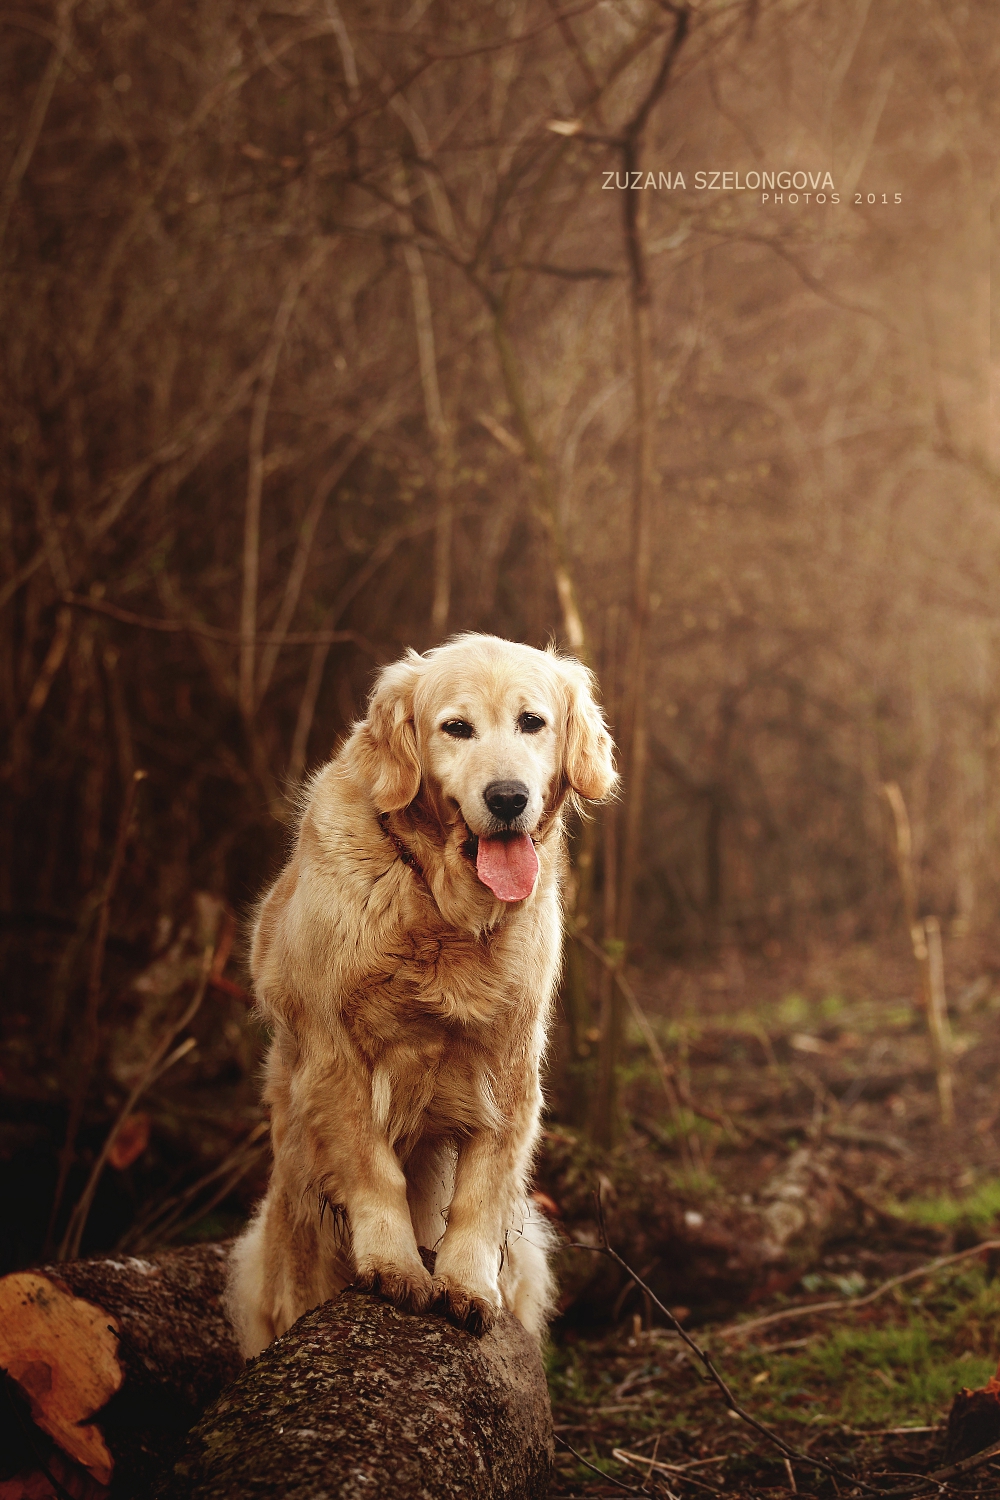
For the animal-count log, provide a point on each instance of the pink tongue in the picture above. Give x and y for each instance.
(508, 866)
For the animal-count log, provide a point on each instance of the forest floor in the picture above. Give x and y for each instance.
(821, 1058)
(828, 1054)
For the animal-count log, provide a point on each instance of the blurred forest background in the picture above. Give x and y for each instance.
(323, 337)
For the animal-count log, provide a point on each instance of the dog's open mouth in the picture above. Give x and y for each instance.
(507, 864)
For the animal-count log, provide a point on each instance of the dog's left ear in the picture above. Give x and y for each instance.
(384, 746)
(588, 762)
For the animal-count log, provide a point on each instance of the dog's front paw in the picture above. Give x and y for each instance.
(411, 1289)
(476, 1311)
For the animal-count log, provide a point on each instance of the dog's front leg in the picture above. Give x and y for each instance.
(373, 1189)
(487, 1185)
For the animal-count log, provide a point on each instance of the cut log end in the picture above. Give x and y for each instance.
(110, 1362)
(974, 1421)
(63, 1353)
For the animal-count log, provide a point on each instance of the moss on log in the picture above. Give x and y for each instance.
(359, 1401)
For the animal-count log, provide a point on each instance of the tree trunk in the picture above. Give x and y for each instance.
(144, 1342)
(360, 1400)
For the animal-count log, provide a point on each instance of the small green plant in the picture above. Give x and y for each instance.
(793, 1010)
(980, 1208)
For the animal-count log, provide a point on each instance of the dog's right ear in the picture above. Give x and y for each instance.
(588, 762)
(384, 746)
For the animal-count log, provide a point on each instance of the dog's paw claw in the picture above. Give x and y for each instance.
(410, 1290)
(476, 1314)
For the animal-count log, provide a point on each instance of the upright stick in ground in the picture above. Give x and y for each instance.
(925, 938)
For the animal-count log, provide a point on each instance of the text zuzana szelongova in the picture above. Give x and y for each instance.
(818, 186)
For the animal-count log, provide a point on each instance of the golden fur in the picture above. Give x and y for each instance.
(409, 1005)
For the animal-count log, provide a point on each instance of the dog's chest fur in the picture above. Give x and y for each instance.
(439, 1006)
(437, 1021)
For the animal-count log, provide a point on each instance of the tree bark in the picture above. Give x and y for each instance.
(360, 1400)
(712, 1252)
(159, 1320)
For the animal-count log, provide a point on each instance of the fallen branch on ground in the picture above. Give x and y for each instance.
(679, 1471)
(610, 1478)
(844, 1304)
(716, 1246)
(937, 1477)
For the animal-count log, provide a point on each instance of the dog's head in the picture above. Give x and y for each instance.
(492, 732)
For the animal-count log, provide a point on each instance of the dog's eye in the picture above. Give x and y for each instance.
(459, 729)
(530, 723)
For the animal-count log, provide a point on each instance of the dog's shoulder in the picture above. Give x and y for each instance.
(319, 916)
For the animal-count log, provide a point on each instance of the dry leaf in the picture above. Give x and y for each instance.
(130, 1142)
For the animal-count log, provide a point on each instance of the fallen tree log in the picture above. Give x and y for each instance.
(711, 1250)
(361, 1400)
(143, 1344)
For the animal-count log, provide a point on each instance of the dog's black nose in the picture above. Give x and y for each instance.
(506, 800)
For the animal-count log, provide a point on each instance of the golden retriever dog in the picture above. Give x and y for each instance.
(406, 960)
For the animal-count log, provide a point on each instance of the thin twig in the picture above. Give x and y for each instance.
(216, 633)
(163, 1213)
(162, 1220)
(255, 475)
(843, 1304)
(91, 1031)
(39, 109)
(22, 575)
(786, 1449)
(296, 573)
(157, 1065)
(925, 938)
(586, 1461)
(314, 678)
(40, 691)
(679, 1471)
(174, 1226)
